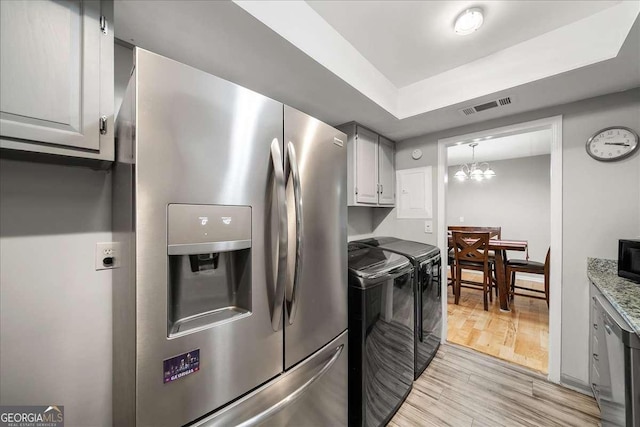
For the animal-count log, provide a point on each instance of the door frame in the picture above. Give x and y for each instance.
(555, 287)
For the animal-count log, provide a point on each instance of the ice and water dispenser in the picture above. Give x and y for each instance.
(209, 249)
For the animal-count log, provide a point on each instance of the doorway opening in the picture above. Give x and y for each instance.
(506, 182)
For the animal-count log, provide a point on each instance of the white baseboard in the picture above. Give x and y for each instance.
(575, 385)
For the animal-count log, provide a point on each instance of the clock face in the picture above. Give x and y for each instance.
(614, 143)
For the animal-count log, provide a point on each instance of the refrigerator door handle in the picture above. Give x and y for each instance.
(278, 169)
(292, 305)
(262, 416)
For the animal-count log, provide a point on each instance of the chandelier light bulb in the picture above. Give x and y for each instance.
(477, 175)
(461, 175)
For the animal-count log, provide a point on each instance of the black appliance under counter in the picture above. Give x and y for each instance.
(427, 266)
(381, 333)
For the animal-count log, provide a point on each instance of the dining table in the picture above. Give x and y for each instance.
(500, 248)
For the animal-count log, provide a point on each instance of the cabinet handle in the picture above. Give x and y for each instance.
(104, 26)
(595, 357)
(103, 125)
(381, 188)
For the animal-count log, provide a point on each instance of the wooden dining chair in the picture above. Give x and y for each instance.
(494, 233)
(471, 251)
(525, 266)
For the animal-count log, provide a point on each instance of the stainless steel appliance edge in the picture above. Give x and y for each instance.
(188, 138)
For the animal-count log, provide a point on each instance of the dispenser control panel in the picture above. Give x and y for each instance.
(220, 227)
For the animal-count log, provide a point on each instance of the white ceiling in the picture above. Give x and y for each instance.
(589, 40)
(409, 41)
(226, 40)
(526, 144)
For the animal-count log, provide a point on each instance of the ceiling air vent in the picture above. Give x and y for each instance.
(501, 102)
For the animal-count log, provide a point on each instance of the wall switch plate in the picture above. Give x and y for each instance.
(428, 226)
(107, 254)
(461, 219)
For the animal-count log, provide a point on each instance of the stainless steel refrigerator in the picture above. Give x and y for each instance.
(230, 286)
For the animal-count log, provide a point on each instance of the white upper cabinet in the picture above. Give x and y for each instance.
(56, 77)
(371, 167)
(366, 170)
(386, 172)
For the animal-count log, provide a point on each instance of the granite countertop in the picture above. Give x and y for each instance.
(623, 294)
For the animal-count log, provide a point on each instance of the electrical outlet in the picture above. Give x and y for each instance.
(107, 254)
(428, 226)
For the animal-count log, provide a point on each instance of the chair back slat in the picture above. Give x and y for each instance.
(495, 233)
(471, 246)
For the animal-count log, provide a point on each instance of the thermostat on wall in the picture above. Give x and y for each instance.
(416, 154)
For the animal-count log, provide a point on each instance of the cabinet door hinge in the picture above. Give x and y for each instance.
(104, 26)
(103, 125)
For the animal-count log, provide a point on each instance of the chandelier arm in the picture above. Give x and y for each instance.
(474, 169)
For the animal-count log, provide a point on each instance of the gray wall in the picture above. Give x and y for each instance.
(378, 221)
(55, 309)
(601, 204)
(360, 224)
(122, 65)
(517, 199)
(385, 220)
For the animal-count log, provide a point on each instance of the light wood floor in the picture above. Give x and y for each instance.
(520, 336)
(465, 388)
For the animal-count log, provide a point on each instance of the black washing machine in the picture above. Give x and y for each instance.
(428, 295)
(381, 322)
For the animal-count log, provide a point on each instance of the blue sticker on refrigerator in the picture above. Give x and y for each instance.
(182, 365)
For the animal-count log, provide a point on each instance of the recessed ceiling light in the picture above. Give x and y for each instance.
(468, 21)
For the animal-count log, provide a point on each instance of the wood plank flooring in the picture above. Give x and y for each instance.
(520, 336)
(464, 388)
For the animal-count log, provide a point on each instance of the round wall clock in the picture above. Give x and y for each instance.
(416, 154)
(613, 143)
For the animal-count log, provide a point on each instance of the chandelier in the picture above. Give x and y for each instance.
(474, 170)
